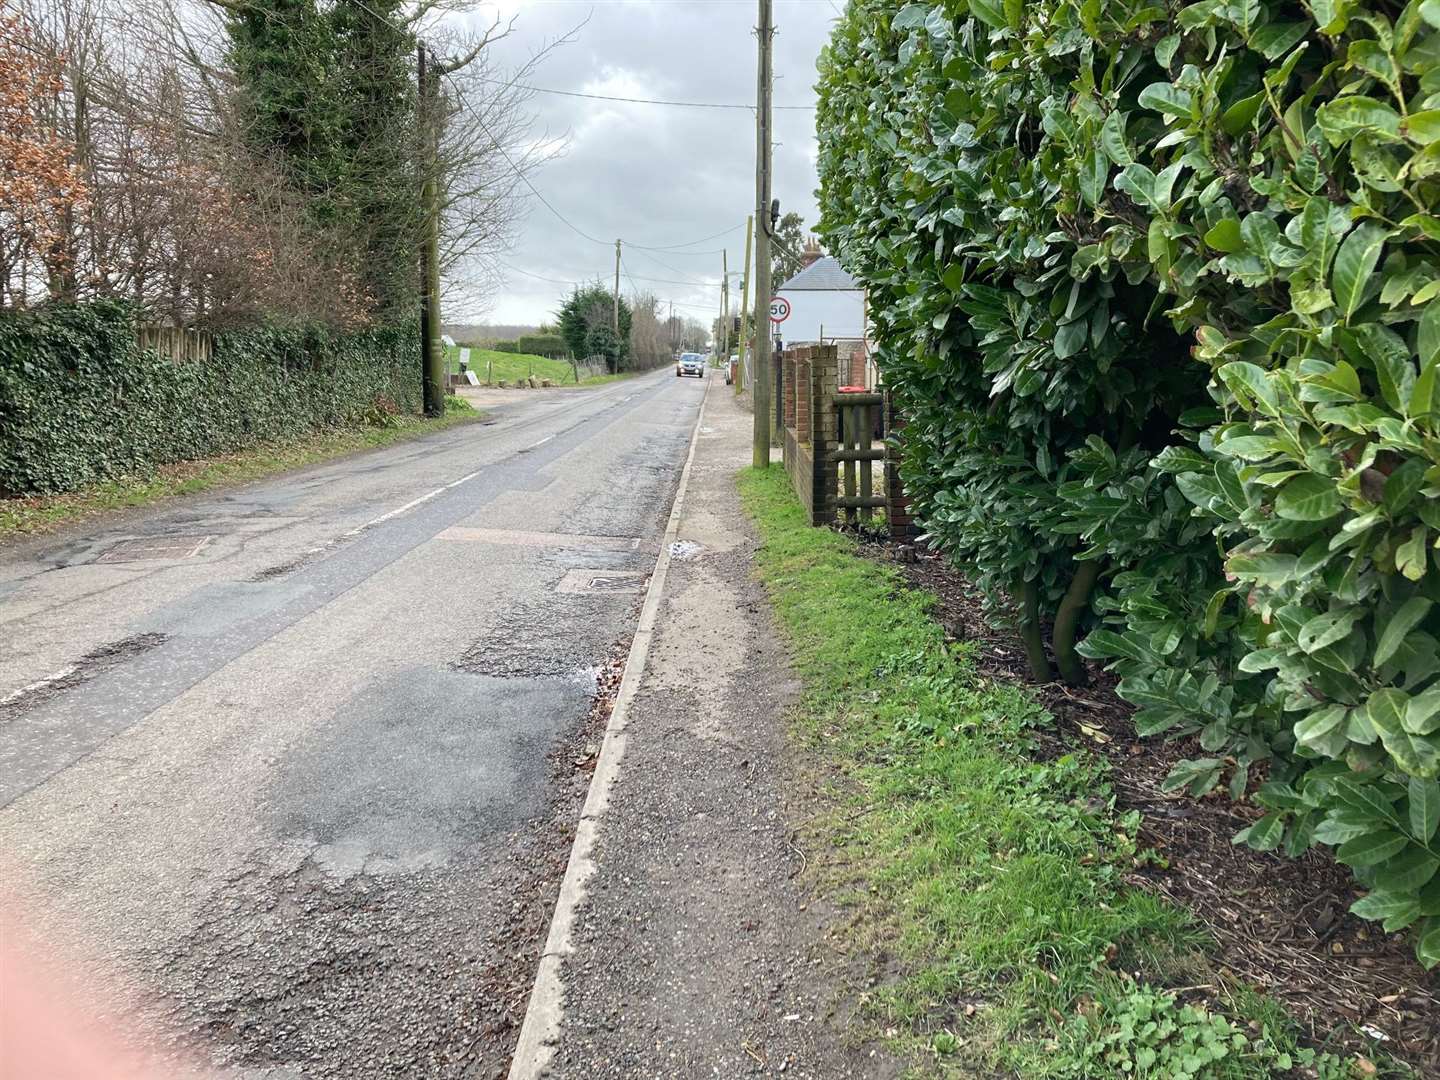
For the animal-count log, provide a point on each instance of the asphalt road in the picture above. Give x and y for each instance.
(278, 780)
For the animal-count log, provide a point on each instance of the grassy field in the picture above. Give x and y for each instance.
(991, 873)
(28, 515)
(510, 367)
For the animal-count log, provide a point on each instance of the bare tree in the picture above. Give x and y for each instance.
(187, 216)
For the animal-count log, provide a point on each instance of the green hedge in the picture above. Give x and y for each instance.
(80, 403)
(1158, 288)
(552, 345)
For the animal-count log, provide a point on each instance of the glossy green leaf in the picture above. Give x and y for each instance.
(1424, 809)
(1309, 498)
(1166, 98)
(1372, 848)
(1354, 264)
(1405, 619)
(1225, 235)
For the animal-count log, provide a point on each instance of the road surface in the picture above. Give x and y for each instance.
(285, 770)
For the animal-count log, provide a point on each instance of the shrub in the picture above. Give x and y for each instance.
(552, 345)
(1159, 293)
(79, 402)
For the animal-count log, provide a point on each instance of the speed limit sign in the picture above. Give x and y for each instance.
(779, 309)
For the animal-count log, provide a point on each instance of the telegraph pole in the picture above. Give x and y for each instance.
(615, 316)
(431, 354)
(724, 335)
(744, 305)
(760, 442)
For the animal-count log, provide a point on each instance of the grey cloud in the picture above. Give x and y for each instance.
(653, 175)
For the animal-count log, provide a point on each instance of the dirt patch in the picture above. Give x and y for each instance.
(1282, 924)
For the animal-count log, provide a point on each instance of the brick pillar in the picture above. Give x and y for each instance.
(803, 369)
(824, 372)
(857, 366)
(790, 360)
(897, 508)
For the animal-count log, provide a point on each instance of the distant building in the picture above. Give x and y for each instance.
(827, 307)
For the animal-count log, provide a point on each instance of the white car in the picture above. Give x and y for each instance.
(690, 363)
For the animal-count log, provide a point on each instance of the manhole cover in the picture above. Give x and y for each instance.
(155, 547)
(602, 581)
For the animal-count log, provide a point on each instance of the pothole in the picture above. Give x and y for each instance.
(87, 667)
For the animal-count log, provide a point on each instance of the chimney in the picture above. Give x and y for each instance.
(811, 253)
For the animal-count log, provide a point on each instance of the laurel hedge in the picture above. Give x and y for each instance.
(1158, 290)
(79, 402)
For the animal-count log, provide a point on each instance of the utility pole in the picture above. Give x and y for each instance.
(760, 442)
(724, 341)
(432, 356)
(615, 317)
(744, 305)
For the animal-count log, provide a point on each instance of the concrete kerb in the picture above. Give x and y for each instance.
(546, 1009)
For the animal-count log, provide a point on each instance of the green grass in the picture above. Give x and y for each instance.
(513, 366)
(993, 877)
(36, 514)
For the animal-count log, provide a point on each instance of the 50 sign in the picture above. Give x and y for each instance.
(779, 309)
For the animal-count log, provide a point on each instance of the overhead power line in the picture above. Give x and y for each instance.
(713, 236)
(542, 277)
(640, 101)
(673, 269)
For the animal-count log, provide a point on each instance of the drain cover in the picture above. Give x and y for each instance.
(602, 581)
(146, 548)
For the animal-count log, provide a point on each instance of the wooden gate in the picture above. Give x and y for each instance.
(832, 439)
(857, 414)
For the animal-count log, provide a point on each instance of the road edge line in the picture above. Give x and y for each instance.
(545, 1009)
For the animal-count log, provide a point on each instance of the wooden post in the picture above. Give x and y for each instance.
(432, 358)
(744, 307)
(863, 430)
(761, 390)
(847, 442)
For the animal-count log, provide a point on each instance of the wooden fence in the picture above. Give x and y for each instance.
(177, 342)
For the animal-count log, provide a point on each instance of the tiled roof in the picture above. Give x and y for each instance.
(824, 273)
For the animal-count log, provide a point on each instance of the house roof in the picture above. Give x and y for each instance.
(825, 273)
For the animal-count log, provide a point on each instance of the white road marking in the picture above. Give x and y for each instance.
(39, 684)
(411, 504)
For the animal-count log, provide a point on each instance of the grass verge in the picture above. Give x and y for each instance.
(992, 875)
(38, 513)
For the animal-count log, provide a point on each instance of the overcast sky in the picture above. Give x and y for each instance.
(655, 175)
